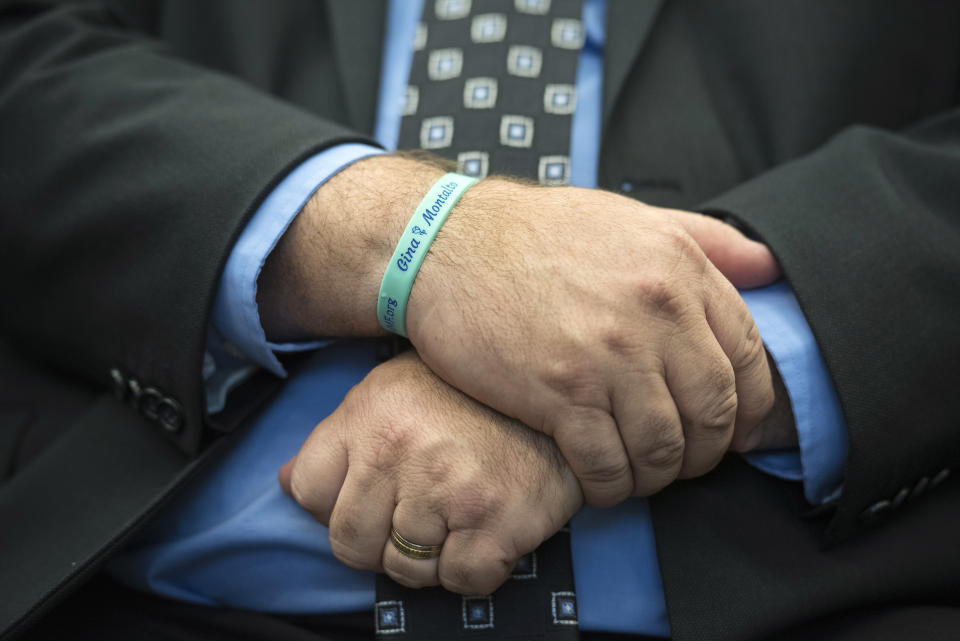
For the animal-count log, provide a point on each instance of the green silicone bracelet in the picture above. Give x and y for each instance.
(414, 243)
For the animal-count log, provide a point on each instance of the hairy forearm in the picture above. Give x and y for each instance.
(324, 276)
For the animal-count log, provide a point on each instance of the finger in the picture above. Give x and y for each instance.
(590, 441)
(361, 518)
(702, 383)
(418, 522)
(655, 443)
(314, 476)
(740, 340)
(778, 429)
(476, 562)
(746, 263)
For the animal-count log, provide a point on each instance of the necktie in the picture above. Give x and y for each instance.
(492, 86)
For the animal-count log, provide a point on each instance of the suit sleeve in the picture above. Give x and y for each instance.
(867, 230)
(126, 176)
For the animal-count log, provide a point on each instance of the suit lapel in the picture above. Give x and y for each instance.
(358, 31)
(628, 27)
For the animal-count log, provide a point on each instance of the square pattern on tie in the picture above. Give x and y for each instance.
(436, 133)
(566, 33)
(564, 608)
(516, 131)
(496, 77)
(411, 100)
(445, 64)
(452, 9)
(389, 617)
(473, 163)
(524, 61)
(477, 612)
(535, 7)
(480, 93)
(420, 37)
(560, 99)
(554, 170)
(488, 27)
(526, 567)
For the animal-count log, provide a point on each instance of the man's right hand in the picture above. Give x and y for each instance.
(405, 450)
(586, 315)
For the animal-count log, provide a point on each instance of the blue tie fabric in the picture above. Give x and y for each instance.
(234, 539)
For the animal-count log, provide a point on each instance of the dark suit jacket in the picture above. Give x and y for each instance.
(137, 137)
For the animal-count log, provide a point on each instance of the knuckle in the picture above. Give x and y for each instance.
(664, 298)
(600, 472)
(751, 350)
(475, 506)
(390, 442)
(681, 240)
(719, 415)
(409, 580)
(298, 488)
(343, 532)
(481, 575)
(718, 409)
(684, 246)
(596, 461)
(665, 453)
(620, 340)
(350, 556)
(301, 489)
(572, 381)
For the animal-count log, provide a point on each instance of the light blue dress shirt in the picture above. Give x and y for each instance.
(234, 539)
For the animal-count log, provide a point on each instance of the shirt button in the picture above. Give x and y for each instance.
(627, 186)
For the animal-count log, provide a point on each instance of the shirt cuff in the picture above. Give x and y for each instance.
(235, 314)
(821, 428)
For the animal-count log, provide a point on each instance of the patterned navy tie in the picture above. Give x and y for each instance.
(492, 86)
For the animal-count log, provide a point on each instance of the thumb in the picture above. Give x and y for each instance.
(778, 429)
(746, 263)
(284, 475)
(314, 476)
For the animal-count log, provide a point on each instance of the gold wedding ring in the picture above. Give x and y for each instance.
(413, 550)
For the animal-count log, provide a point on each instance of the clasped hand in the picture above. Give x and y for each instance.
(599, 321)
(603, 324)
(405, 450)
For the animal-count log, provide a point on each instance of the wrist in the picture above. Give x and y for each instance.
(324, 276)
(469, 243)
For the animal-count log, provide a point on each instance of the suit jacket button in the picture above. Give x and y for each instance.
(149, 404)
(901, 497)
(134, 389)
(119, 383)
(940, 477)
(876, 511)
(170, 415)
(919, 488)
